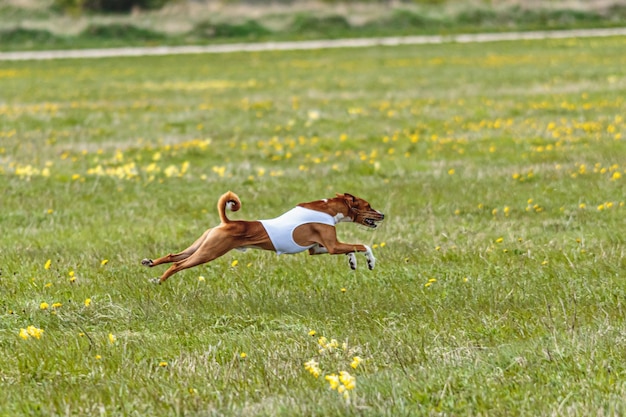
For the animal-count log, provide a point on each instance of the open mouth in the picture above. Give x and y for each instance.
(369, 222)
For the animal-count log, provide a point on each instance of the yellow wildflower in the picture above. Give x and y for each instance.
(313, 367)
(47, 264)
(355, 362)
(33, 331)
(347, 380)
(87, 302)
(322, 341)
(112, 338)
(104, 262)
(44, 306)
(333, 380)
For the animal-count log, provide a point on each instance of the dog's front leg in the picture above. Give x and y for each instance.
(350, 249)
(371, 260)
(351, 260)
(325, 240)
(317, 250)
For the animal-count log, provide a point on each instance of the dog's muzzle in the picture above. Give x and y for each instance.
(371, 219)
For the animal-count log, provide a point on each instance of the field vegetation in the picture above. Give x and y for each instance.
(499, 287)
(63, 24)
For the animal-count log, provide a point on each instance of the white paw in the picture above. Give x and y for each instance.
(371, 260)
(155, 281)
(351, 260)
(146, 262)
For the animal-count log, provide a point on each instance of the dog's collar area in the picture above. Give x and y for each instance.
(340, 217)
(352, 210)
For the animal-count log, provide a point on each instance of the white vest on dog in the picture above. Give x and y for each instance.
(280, 229)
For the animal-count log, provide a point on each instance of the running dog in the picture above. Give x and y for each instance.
(308, 226)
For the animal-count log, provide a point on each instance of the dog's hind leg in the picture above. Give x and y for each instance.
(210, 249)
(179, 256)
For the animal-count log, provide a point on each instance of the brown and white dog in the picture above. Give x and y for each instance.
(308, 226)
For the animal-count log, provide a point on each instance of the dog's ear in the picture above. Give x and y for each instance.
(349, 197)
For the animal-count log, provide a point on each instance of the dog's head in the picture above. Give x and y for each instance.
(360, 211)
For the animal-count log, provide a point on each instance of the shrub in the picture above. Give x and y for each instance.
(112, 6)
(248, 29)
(21, 35)
(121, 31)
(478, 17)
(405, 19)
(617, 11)
(557, 17)
(304, 23)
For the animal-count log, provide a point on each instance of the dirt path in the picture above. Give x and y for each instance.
(302, 45)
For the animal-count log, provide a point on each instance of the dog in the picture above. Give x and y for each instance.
(308, 226)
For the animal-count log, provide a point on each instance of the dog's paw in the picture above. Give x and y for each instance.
(351, 260)
(147, 262)
(155, 281)
(371, 260)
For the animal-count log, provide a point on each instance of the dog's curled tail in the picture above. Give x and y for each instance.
(228, 200)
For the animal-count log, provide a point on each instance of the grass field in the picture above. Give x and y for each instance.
(499, 287)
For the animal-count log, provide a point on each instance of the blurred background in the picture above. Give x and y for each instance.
(53, 24)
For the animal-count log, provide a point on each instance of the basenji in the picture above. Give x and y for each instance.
(308, 226)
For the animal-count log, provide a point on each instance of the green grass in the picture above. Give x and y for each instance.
(499, 285)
